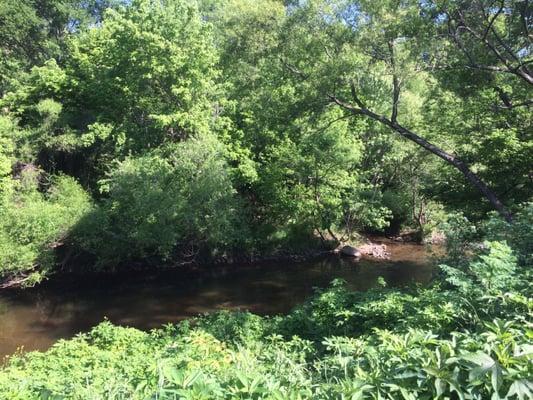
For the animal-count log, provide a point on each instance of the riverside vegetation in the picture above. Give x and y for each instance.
(467, 336)
(172, 132)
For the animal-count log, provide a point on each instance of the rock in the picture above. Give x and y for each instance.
(375, 250)
(350, 251)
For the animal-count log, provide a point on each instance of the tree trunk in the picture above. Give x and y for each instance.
(458, 164)
(470, 176)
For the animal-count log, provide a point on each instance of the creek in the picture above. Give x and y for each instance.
(33, 319)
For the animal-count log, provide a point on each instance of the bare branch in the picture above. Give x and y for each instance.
(293, 69)
(522, 104)
(326, 126)
(518, 69)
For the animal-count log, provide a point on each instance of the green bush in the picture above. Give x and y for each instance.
(173, 202)
(518, 234)
(493, 271)
(35, 223)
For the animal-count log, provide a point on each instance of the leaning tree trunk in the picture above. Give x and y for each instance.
(460, 165)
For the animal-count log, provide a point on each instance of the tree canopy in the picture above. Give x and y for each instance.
(143, 134)
(309, 120)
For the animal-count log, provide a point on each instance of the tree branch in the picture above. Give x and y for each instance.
(519, 70)
(522, 104)
(491, 21)
(293, 69)
(355, 98)
(420, 141)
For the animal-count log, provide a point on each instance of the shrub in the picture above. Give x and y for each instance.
(492, 272)
(176, 201)
(35, 223)
(517, 234)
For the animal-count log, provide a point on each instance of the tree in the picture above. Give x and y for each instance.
(480, 57)
(492, 36)
(141, 78)
(177, 200)
(367, 52)
(308, 179)
(32, 32)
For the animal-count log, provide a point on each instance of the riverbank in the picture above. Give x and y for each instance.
(371, 247)
(338, 342)
(37, 317)
(189, 269)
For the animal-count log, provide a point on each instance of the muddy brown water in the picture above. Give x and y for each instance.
(34, 319)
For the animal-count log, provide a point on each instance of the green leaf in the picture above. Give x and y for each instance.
(523, 389)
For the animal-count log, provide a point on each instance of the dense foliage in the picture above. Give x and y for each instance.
(186, 131)
(179, 198)
(35, 223)
(201, 130)
(467, 336)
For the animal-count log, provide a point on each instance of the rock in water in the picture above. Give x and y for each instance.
(375, 250)
(350, 251)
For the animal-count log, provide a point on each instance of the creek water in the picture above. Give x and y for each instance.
(33, 319)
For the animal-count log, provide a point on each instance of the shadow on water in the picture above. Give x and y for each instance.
(36, 318)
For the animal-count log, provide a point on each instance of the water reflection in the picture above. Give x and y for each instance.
(36, 318)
